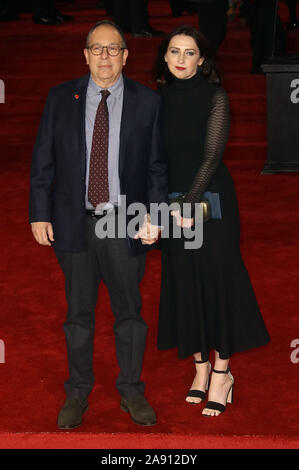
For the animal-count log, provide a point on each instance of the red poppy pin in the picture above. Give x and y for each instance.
(76, 96)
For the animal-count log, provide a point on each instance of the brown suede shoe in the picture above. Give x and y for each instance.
(70, 415)
(140, 410)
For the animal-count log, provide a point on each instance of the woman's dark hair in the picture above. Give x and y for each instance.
(209, 69)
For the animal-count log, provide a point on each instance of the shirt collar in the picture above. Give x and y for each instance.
(93, 89)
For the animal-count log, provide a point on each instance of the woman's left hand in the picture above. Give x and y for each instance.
(182, 221)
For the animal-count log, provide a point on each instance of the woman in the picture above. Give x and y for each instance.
(207, 301)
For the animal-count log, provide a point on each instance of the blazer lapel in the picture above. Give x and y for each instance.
(127, 120)
(79, 97)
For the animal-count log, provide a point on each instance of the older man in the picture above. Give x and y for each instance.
(99, 138)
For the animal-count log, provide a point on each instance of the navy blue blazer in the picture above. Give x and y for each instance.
(58, 169)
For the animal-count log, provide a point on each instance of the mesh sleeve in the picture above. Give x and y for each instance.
(216, 137)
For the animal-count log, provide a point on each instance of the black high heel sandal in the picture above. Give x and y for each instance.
(199, 393)
(214, 405)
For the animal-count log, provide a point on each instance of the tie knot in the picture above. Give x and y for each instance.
(105, 94)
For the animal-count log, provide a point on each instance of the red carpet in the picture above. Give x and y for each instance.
(265, 413)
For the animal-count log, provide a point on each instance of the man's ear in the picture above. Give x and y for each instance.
(86, 55)
(125, 56)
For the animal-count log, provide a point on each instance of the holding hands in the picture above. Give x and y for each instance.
(148, 233)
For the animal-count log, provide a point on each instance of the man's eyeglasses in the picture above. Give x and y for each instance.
(112, 50)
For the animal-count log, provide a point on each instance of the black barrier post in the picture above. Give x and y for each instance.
(282, 114)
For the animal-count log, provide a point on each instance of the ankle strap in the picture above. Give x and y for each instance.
(221, 371)
(200, 362)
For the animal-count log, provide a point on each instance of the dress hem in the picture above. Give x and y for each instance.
(221, 356)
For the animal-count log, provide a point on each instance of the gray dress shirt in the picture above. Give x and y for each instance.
(115, 104)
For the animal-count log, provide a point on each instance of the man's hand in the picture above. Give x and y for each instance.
(43, 232)
(181, 221)
(148, 233)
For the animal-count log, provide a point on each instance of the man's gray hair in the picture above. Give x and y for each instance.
(109, 23)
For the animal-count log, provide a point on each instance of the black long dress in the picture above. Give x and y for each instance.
(207, 301)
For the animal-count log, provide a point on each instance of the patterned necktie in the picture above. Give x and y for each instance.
(98, 188)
